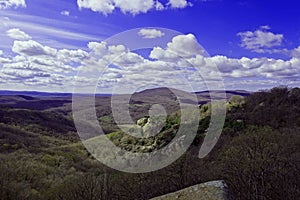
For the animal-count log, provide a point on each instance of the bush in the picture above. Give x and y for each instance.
(258, 165)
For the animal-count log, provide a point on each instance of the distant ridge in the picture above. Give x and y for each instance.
(156, 91)
(33, 93)
(233, 92)
(39, 94)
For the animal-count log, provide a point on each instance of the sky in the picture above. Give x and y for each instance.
(128, 45)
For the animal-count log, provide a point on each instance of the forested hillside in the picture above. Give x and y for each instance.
(258, 154)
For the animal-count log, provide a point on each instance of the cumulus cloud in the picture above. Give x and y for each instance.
(129, 6)
(261, 68)
(66, 56)
(37, 65)
(181, 45)
(296, 52)
(5, 4)
(162, 54)
(134, 6)
(101, 55)
(151, 33)
(32, 48)
(261, 40)
(24, 74)
(108, 6)
(128, 59)
(65, 13)
(17, 34)
(182, 61)
(179, 3)
(44, 64)
(102, 6)
(171, 66)
(4, 60)
(185, 45)
(98, 48)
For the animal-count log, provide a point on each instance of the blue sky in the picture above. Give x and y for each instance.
(44, 44)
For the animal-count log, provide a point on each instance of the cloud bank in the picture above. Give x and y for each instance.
(5, 4)
(133, 7)
(261, 40)
(182, 60)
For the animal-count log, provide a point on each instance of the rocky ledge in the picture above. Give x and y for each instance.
(214, 190)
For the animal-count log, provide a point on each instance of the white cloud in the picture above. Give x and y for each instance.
(193, 57)
(161, 54)
(37, 66)
(101, 55)
(23, 74)
(117, 49)
(151, 33)
(258, 68)
(129, 6)
(225, 64)
(261, 40)
(17, 34)
(179, 3)
(5, 4)
(98, 49)
(182, 61)
(45, 64)
(4, 60)
(182, 45)
(128, 59)
(102, 6)
(185, 45)
(67, 56)
(296, 52)
(32, 48)
(65, 13)
(134, 6)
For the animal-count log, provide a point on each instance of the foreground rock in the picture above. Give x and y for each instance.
(215, 190)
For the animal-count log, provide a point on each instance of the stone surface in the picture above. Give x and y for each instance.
(214, 190)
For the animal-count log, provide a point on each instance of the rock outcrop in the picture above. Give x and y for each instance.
(214, 190)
